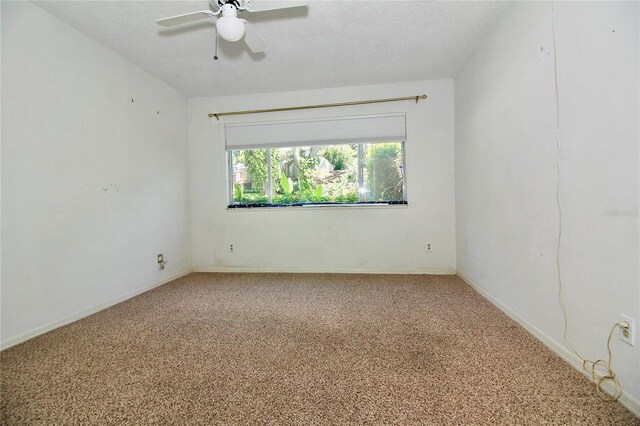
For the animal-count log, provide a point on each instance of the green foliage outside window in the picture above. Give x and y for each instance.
(255, 160)
(383, 176)
(341, 156)
(318, 174)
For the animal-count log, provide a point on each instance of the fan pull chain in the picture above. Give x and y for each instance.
(215, 56)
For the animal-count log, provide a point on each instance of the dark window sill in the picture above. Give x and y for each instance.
(327, 204)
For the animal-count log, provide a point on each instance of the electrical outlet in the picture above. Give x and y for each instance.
(231, 248)
(627, 334)
(429, 247)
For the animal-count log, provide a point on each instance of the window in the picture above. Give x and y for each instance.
(352, 160)
(318, 174)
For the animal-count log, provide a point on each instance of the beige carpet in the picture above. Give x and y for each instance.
(297, 349)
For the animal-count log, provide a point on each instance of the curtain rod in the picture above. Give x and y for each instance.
(217, 115)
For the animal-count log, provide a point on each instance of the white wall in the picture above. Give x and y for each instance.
(93, 185)
(350, 239)
(506, 217)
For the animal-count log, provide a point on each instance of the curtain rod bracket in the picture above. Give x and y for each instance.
(217, 115)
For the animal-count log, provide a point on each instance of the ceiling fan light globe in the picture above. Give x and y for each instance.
(230, 28)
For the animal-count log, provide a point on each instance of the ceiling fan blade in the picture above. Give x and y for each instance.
(284, 5)
(184, 18)
(255, 43)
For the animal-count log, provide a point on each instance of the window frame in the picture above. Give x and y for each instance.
(231, 205)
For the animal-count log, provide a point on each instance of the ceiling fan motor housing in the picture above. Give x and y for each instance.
(229, 9)
(235, 3)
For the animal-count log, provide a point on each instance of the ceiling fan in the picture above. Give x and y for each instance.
(229, 26)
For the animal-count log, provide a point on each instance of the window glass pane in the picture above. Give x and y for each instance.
(315, 174)
(249, 168)
(383, 172)
(340, 184)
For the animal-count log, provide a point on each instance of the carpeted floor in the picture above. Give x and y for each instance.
(297, 349)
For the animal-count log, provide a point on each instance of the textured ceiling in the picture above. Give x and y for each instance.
(327, 44)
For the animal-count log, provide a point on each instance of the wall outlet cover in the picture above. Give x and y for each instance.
(629, 336)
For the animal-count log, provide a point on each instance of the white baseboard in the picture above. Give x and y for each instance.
(75, 317)
(625, 399)
(327, 271)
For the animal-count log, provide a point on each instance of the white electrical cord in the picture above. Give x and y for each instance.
(599, 378)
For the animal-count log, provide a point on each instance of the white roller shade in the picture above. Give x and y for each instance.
(328, 131)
